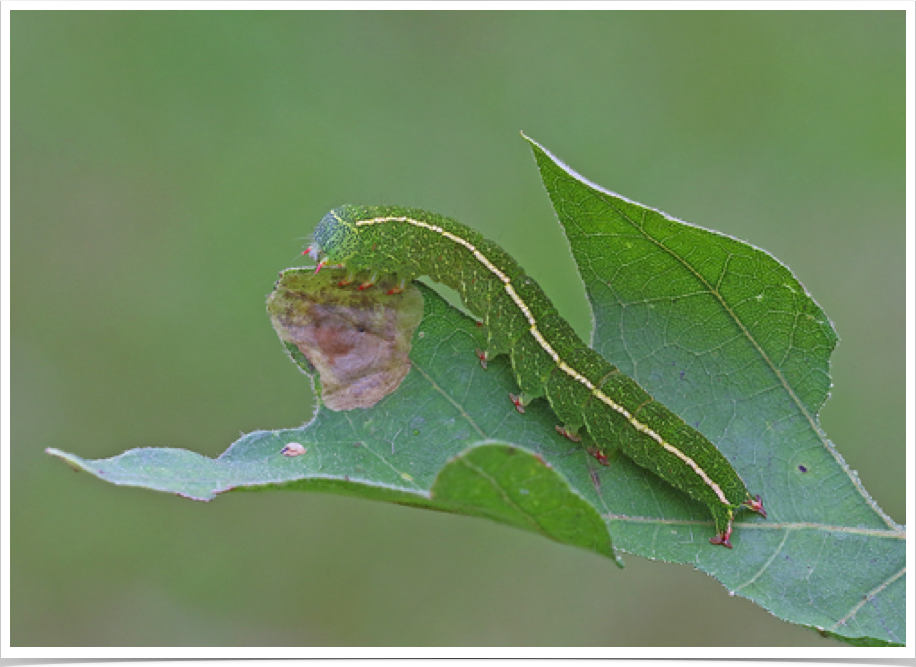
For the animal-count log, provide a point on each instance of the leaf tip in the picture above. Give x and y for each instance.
(531, 141)
(74, 462)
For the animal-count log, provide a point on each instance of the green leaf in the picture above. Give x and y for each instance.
(434, 443)
(719, 331)
(725, 336)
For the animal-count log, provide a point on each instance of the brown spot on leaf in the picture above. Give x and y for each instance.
(357, 340)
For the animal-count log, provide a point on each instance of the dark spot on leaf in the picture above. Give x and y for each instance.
(803, 468)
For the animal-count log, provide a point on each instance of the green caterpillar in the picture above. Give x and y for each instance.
(548, 358)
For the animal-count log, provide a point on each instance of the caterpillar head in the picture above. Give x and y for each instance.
(335, 238)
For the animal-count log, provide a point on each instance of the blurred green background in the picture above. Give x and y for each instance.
(165, 167)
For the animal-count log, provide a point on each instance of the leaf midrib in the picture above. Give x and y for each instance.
(768, 525)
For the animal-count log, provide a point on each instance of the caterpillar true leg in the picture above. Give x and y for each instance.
(402, 284)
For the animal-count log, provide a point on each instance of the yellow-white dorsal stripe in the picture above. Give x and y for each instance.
(548, 348)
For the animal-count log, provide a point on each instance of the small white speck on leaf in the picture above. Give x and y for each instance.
(293, 449)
